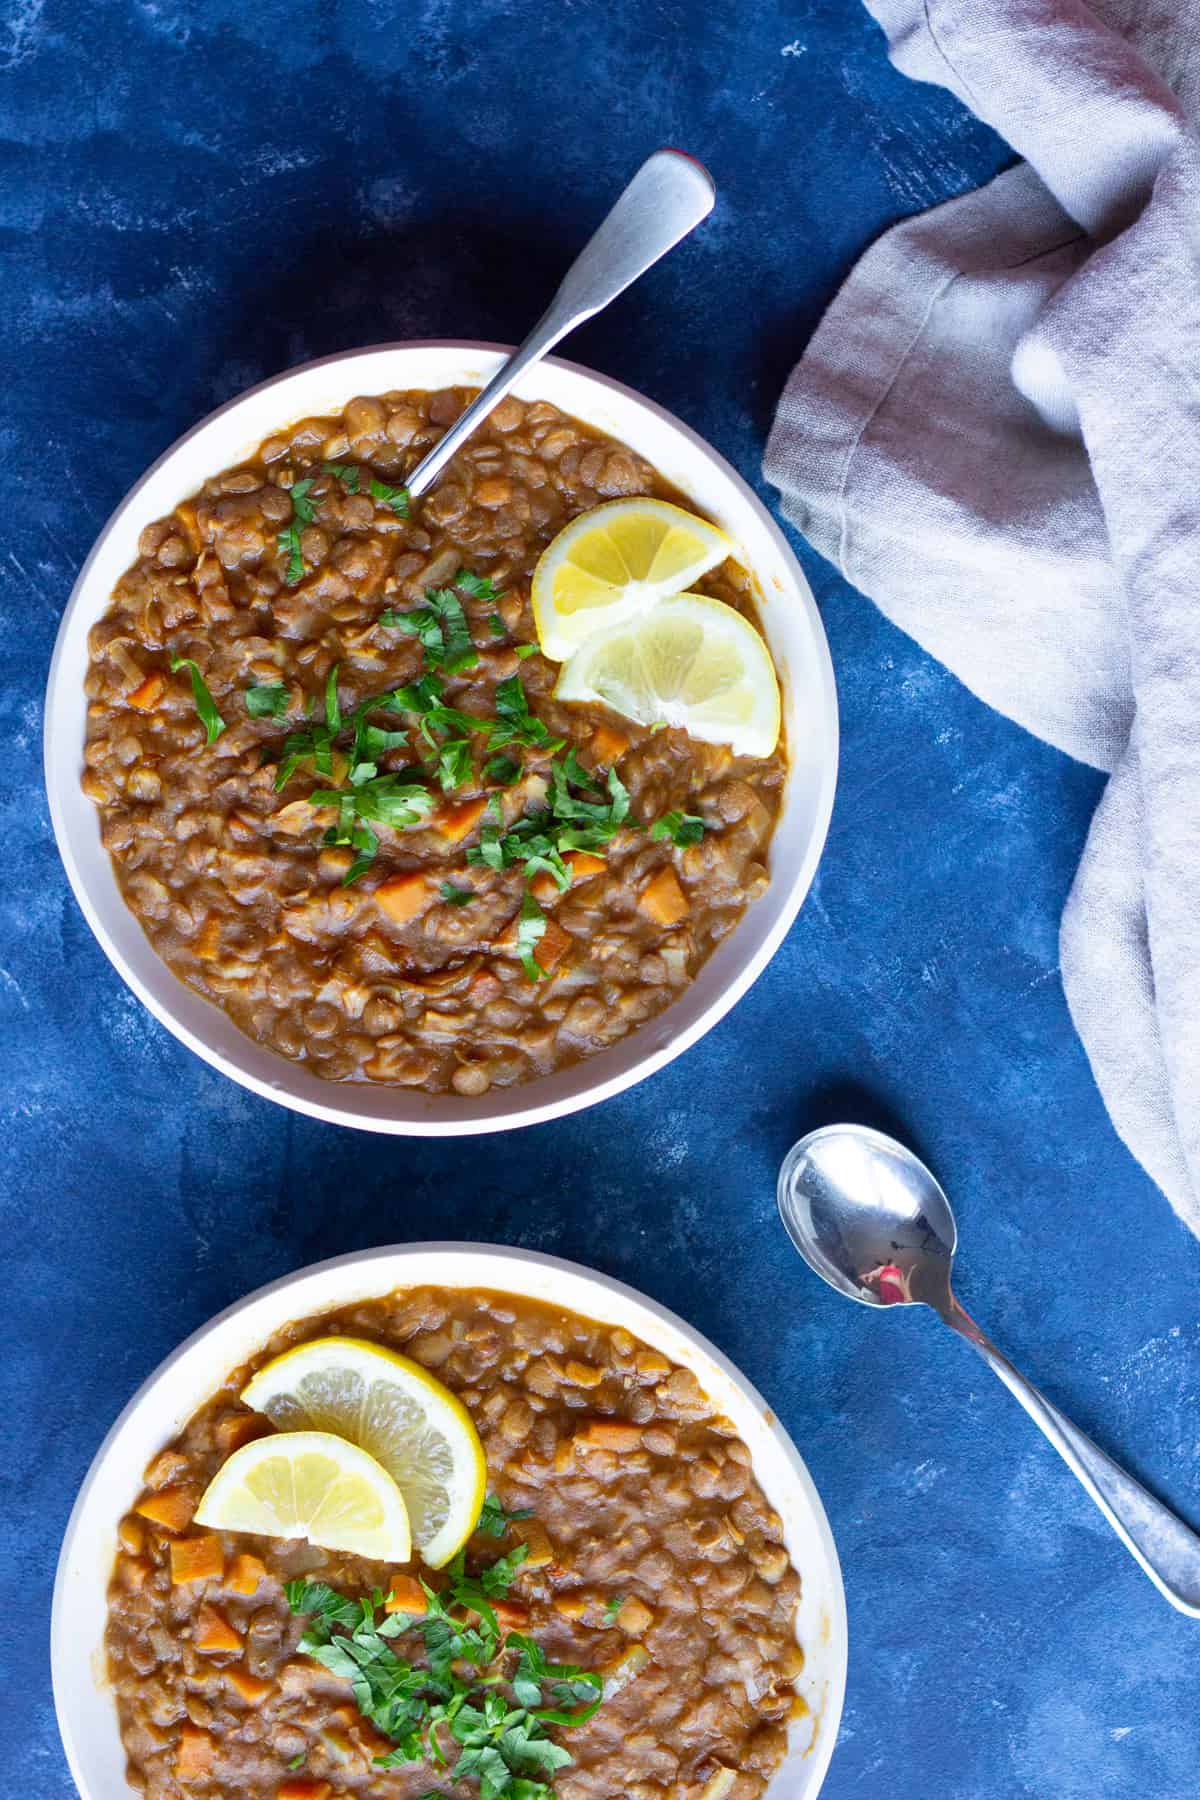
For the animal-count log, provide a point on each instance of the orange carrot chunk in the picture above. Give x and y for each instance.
(215, 1636)
(172, 1508)
(581, 866)
(303, 1787)
(403, 897)
(662, 899)
(194, 1757)
(455, 822)
(248, 1687)
(512, 1616)
(245, 1573)
(407, 1596)
(552, 946)
(148, 693)
(197, 1559)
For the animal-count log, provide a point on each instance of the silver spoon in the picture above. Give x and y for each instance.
(869, 1217)
(666, 199)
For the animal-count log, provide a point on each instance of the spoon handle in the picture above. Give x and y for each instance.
(1168, 1550)
(666, 199)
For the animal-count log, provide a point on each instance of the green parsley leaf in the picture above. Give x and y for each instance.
(266, 700)
(524, 650)
(333, 713)
(460, 652)
(496, 625)
(395, 497)
(303, 510)
(346, 473)
(494, 1517)
(502, 770)
(531, 927)
(381, 799)
(567, 1683)
(454, 766)
(682, 828)
(206, 706)
(423, 697)
(324, 1605)
(503, 1745)
(478, 587)
(456, 896)
(297, 1761)
(516, 723)
(421, 623)
(441, 625)
(303, 507)
(612, 1608)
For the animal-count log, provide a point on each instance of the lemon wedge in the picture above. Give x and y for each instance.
(310, 1484)
(614, 562)
(691, 662)
(399, 1414)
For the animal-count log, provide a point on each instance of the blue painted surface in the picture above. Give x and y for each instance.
(197, 196)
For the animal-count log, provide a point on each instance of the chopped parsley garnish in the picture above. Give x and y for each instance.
(423, 697)
(303, 509)
(266, 700)
(395, 497)
(442, 628)
(494, 1517)
(682, 828)
(479, 587)
(612, 1608)
(333, 712)
(206, 706)
(371, 799)
(370, 741)
(346, 473)
(569, 1685)
(517, 724)
(310, 741)
(541, 840)
(454, 765)
(451, 1704)
(313, 739)
(531, 926)
(456, 896)
(297, 1761)
(524, 650)
(502, 770)
(496, 625)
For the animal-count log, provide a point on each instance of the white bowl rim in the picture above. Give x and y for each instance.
(516, 1260)
(469, 1118)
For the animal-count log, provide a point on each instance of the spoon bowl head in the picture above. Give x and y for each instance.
(868, 1216)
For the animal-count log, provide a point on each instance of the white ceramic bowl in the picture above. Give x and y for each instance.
(164, 1403)
(792, 626)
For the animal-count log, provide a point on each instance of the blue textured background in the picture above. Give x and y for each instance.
(195, 196)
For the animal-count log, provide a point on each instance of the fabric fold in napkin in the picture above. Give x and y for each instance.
(995, 434)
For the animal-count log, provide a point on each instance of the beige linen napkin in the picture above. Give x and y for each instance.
(995, 434)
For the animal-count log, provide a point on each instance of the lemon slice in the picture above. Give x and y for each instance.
(310, 1484)
(692, 662)
(398, 1413)
(614, 562)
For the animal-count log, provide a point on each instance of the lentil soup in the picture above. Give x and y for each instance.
(646, 1555)
(406, 933)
